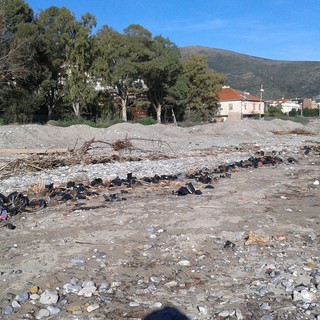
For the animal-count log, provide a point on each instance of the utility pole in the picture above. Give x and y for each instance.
(261, 90)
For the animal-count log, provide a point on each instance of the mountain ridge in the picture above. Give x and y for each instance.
(280, 78)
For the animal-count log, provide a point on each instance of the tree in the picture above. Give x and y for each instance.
(79, 86)
(57, 29)
(160, 71)
(13, 14)
(19, 68)
(203, 85)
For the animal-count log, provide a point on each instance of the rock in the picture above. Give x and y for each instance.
(88, 283)
(265, 306)
(70, 288)
(103, 287)
(87, 291)
(42, 314)
(34, 289)
(8, 310)
(155, 279)
(93, 307)
(77, 260)
(203, 310)
(239, 315)
(53, 310)
(185, 263)
(15, 304)
(49, 297)
(74, 308)
(224, 314)
(171, 284)
(308, 296)
(22, 297)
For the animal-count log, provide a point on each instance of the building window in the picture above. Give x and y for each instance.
(230, 106)
(245, 106)
(254, 106)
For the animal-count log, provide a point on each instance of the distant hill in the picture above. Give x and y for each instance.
(280, 78)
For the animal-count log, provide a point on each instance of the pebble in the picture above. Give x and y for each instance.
(53, 310)
(184, 263)
(87, 291)
(22, 297)
(224, 314)
(42, 314)
(49, 297)
(305, 295)
(93, 307)
(8, 310)
(15, 304)
(70, 288)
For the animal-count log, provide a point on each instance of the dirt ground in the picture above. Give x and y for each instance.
(155, 248)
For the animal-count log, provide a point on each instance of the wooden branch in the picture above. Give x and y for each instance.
(34, 151)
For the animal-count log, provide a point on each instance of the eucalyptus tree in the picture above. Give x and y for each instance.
(19, 67)
(79, 85)
(14, 16)
(117, 59)
(57, 31)
(109, 62)
(160, 68)
(203, 85)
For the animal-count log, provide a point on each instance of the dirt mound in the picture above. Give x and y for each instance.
(45, 136)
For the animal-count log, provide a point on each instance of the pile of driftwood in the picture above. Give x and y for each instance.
(91, 152)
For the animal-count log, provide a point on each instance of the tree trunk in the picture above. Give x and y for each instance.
(76, 108)
(50, 109)
(174, 118)
(124, 109)
(158, 112)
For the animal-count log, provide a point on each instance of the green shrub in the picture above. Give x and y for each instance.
(146, 121)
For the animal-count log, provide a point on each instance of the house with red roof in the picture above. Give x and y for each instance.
(236, 104)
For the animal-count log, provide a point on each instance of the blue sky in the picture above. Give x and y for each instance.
(272, 29)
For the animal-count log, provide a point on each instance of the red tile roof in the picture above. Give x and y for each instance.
(230, 94)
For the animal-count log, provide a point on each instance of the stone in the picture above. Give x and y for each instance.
(87, 291)
(88, 283)
(224, 314)
(171, 284)
(42, 314)
(239, 314)
(77, 260)
(53, 310)
(15, 304)
(93, 307)
(34, 289)
(308, 296)
(184, 263)
(265, 306)
(49, 297)
(22, 297)
(74, 308)
(71, 288)
(155, 279)
(203, 310)
(8, 310)
(103, 287)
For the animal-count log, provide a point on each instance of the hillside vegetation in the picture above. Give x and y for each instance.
(290, 79)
